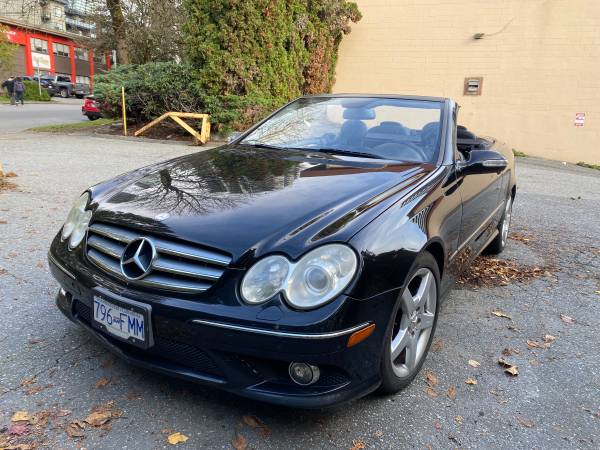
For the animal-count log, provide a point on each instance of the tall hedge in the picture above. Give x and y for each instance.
(251, 56)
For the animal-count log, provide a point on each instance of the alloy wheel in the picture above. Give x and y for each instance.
(414, 322)
(506, 221)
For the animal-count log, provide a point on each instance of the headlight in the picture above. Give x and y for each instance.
(315, 279)
(265, 279)
(77, 222)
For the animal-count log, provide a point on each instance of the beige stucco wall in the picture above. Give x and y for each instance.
(540, 60)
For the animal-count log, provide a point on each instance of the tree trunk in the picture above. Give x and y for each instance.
(118, 27)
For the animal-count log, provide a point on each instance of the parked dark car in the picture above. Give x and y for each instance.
(301, 264)
(90, 108)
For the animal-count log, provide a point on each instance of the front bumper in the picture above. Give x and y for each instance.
(252, 362)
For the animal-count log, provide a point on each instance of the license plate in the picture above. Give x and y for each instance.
(120, 321)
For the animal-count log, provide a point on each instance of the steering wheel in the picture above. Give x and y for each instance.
(392, 150)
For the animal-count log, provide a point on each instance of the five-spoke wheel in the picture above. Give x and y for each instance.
(412, 325)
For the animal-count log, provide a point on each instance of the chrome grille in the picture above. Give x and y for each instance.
(178, 266)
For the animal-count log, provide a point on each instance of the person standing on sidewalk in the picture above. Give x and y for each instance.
(19, 92)
(10, 89)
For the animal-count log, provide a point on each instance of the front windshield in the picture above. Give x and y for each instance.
(387, 128)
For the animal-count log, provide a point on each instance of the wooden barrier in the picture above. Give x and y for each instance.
(200, 137)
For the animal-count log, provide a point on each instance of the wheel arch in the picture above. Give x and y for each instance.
(437, 250)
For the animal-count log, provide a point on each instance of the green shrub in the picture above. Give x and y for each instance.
(32, 92)
(251, 56)
(150, 90)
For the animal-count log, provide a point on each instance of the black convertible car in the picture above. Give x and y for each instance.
(304, 262)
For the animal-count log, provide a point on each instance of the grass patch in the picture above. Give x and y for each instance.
(68, 127)
(589, 166)
(519, 154)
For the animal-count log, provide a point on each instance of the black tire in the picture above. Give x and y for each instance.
(79, 96)
(64, 93)
(498, 245)
(92, 117)
(391, 383)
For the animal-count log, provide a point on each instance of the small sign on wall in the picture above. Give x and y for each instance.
(579, 119)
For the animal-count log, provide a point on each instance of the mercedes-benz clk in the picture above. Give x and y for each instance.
(304, 262)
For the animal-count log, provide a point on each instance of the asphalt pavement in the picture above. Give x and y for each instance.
(58, 111)
(50, 368)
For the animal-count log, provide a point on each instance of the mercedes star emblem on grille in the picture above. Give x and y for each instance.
(137, 258)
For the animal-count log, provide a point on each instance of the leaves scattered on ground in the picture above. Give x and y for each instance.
(509, 368)
(471, 381)
(474, 363)
(487, 272)
(437, 346)
(546, 342)
(521, 238)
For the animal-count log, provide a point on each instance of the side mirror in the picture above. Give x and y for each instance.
(483, 161)
(233, 136)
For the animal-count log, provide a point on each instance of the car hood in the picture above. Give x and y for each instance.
(250, 201)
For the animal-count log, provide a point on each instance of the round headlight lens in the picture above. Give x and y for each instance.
(321, 275)
(77, 221)
(80, 229)
(265, 279)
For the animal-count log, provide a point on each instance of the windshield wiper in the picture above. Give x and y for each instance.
(337, 151)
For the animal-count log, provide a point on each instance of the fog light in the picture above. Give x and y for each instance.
(304, 374)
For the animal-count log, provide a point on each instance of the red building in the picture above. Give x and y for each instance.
(53, 52)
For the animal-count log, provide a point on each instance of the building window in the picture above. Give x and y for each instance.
(38, 45)
(473, 85)
(60, 49)
(63, 78)
(82, 54)
(82, 80)
(57, 12)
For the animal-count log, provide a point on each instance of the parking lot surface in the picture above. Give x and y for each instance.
(54, 372)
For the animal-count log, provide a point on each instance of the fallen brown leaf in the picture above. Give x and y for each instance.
(239, 442)
(474, 363)
(499, 313)
(431, 392)
(358, 445)
(525, 423)
(75, 429)
(378, 434)
(509, 351)
(567, 319)
(431, 379)
(28, 381)
(96, 419)
(20, 416)
(102, 382)
(451, 392)
(40, 264)
(176, 438)
(458, 419)
(438, 425)
(33, 390)
(508, 367)
(437, 346)
(471, 381)
(255, 422)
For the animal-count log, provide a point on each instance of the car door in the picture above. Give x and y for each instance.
(481, 206)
